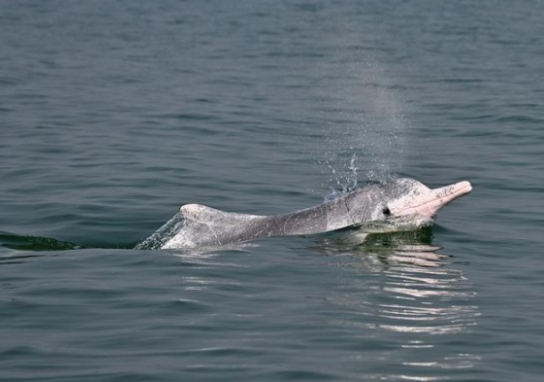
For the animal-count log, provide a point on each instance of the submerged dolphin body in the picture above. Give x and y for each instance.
(399, 205)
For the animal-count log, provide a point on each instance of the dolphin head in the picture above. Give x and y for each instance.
(400, 205)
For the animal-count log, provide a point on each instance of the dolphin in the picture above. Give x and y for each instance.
(398, 205)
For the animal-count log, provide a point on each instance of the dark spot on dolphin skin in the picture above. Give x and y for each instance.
(386, 211)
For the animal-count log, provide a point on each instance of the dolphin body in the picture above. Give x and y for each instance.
(399, 205)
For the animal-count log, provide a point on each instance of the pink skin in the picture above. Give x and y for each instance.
(423, 203)
(400, 205)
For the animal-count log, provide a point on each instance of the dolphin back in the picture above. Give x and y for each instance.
(206, 227)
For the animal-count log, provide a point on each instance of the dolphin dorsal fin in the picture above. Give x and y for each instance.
(203, 225)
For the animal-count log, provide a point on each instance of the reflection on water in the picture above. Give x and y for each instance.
(405, 289)
(34, 243)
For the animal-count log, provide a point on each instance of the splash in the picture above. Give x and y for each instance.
(345, 179)
(365, 128)
(163, 234)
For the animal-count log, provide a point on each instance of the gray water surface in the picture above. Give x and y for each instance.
(113, 114)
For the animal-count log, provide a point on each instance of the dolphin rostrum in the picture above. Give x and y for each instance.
(399, 205)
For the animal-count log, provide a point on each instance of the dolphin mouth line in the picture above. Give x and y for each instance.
(457, 190)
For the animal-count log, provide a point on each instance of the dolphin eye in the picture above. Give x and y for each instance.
(386, 211)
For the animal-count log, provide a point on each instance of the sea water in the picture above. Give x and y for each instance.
(114, 114)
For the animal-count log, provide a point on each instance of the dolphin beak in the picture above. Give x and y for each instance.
(439, 197)
(425, 204)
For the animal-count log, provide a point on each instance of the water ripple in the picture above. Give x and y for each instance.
(409, 291)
